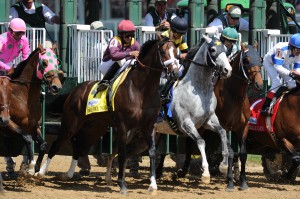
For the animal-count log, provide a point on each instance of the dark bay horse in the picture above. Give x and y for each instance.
(233, 108)
(25, 107)
(137, 103)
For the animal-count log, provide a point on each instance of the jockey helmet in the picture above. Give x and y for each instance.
(126, 26)
(17, 25)
(295, 40)
(179, 25)
(230, 34)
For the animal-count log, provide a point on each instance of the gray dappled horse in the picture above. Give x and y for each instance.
(194, 102)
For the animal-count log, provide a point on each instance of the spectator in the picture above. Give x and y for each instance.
(230, 19)
(159, 17)
(11, 44)
(33, 13)
(281, 62)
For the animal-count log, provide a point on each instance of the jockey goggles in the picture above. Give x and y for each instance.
(18, 33)
(128, 34)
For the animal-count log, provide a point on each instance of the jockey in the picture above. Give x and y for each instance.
(12, 43)
(179, 27)
(121, 48)
(229, 37)
(282, 60)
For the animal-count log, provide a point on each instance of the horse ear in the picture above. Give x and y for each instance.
(54, 47)
(255, 45)
(207, 38)
(244, 46)
(11, 70)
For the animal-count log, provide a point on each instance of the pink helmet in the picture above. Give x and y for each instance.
(126, 26)
(17, 25)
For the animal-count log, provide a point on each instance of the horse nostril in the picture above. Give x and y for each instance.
(55, 88)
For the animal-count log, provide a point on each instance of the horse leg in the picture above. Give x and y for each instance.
(159, 169)
(53, 150)
(235, 147)
(188, 150)
(214, 125)
(42, 149)
(10, 166)
(122, 140)
(243, 158)
(189, 127)
(295, 158)
(152, 155)
(1, 184)
(108, 180)
(29, 144)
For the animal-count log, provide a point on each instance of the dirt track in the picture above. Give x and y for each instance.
(94, 186)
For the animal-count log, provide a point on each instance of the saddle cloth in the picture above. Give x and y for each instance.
(261, 123)
(98, 103)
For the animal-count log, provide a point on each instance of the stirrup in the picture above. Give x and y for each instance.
(265, 112)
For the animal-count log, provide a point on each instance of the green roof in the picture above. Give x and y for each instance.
(244, 3)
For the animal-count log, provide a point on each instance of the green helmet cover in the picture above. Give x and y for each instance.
(230, 34)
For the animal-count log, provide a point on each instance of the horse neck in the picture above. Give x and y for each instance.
(28, 79)
(145, 77)
(200, 76)
(236, 86)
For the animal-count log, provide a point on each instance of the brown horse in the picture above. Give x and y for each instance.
(5, 96)
(25, 108)
(137, 104)
(283, 139)
(233, 109)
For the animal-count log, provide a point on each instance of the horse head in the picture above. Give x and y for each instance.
(47, 70)
(5, 96)
(163, 51)
(251, 65)
(216, 56)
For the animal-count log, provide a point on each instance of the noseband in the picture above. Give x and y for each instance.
(164, 64)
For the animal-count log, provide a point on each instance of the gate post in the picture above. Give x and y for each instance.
(257, 18)
(134, 11)
(4, 11)
(212, 10)
(196, 19)
(69, 16)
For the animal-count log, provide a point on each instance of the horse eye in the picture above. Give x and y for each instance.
(212, 49)
(246, 60)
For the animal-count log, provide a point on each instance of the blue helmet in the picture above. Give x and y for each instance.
(295, 40)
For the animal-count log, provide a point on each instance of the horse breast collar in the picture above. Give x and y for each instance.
(52, 63)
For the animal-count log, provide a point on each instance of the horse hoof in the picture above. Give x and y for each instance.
(152, 191)
(230, 189)
(124, 192)
(38, 175)
(109, 184)
(244, 187)
(223, 169)
(2, 191)
(63, 177)
(205, 179)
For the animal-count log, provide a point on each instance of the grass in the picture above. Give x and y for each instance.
(254, 159)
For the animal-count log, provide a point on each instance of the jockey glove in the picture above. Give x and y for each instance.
(295, 76)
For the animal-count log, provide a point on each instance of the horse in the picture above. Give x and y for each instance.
(5, 96)
(137, 104)
(279, 133)
(233, 107)
(193, 102)
(25, 109)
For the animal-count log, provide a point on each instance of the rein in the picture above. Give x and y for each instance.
(148, 67)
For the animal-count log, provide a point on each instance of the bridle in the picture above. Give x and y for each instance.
(165, 64)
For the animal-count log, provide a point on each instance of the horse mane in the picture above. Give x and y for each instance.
(20, 67)
(145, 47)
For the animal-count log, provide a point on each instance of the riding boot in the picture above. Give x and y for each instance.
(165, 90)
(266, 106)
(104, 83)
